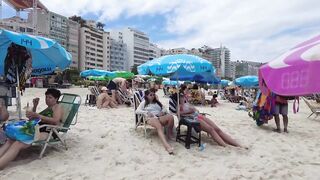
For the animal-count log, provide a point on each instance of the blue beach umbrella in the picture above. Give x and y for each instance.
(22, 55)
(224, 82)
(96, 72)
(247, 81)
(184, 67)
(170, 83)
(46, 54)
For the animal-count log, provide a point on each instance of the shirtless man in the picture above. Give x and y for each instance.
(114, 85)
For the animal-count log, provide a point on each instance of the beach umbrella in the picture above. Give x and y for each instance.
(247, 81)
(96, 72)
(123, 74)
(171, 83)
(294, 73)
(22, 55)
(98, 78)
(183, 67)
(224, 82)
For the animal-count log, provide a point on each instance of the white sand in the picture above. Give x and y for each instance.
(104, 145)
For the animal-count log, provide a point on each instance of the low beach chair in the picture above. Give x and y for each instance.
(140, 120)
(314, 109)
(125, 98)
(187, 138)
(70, 104)
(91, 98)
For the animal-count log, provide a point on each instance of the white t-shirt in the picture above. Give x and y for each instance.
(152, 108)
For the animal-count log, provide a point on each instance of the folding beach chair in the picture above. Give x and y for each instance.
(140, 120)
(314, 109)
(91, 98)
(187, 138)
(70, 104)
(125, 98)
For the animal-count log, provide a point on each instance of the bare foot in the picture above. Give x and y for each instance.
(285, 130)
(277, 130)
(170, 150)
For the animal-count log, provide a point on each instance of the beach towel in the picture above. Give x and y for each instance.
(23, 130)
(263, 107)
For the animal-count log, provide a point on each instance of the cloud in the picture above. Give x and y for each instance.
(252, 30)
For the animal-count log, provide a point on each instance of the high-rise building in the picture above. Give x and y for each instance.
(244, 68)
(16, 24)
(50, 24)
(233, 66)
(118, 56)
(73, 42)
(154, 51)
(177, 51)
(221, 60)
(137, 45)
(94, 48)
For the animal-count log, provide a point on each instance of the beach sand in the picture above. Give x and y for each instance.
(104, 145)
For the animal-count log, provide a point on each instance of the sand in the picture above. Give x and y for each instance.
(104, 145)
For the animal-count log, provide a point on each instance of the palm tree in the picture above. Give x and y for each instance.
(78, 19)
(100, 25)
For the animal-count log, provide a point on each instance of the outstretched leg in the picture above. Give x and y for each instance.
(5, 147)
(226, 138)
(154, 122)
(168, 121)
(12, 153)
(215, 136)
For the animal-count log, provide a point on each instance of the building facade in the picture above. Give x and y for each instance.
(154, 51)
(244, 68)
(118, 56)
(137, 45)
(16, 24)
(221, 60)
(94, 48)
(73, 42)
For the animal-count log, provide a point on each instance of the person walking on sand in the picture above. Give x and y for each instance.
(281, 108)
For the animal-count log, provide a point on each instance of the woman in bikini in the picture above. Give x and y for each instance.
(206, 124)
(157, 117)
(51, 115)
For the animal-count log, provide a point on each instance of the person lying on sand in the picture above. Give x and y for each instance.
(157, 117)
(51, 115)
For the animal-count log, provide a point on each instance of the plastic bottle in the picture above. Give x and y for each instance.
(202, 147)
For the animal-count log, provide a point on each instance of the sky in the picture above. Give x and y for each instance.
(255, 30)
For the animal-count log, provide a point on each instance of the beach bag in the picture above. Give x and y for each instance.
(23, 130)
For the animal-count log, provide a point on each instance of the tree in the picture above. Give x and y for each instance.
(100, 25)
(78, 19)
(134, 69)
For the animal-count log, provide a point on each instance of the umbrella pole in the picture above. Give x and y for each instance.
(19, 96)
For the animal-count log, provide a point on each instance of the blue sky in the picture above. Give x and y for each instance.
(252, 30)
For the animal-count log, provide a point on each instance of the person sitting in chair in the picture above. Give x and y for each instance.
(157, 117)
(104, 100)
(51, 115)
(206, 124)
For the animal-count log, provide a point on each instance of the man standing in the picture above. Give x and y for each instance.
(281, 108)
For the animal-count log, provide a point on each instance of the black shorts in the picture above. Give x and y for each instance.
(112, 86)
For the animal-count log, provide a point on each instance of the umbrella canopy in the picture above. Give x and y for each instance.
(46, 54)
(294, 73)
(124, 74)
(247, 81)
(96, 72)
(183, 67)
(224, 82)
(170, 83)
(98, 78)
